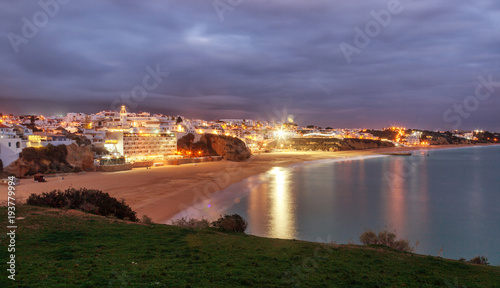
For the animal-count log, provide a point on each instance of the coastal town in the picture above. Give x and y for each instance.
(232, 143)
(145, 137)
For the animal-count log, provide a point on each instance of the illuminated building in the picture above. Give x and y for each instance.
(10, 145)
(141, 145)
(138, 137)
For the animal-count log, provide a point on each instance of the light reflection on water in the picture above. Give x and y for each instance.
(282, 220)
(450, 200)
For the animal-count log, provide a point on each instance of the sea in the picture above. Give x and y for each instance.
(446, 202)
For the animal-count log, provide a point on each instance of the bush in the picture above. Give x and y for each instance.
(99, 150)
(146, 220)
(191, 223)
(233, 223)
(480, 260)
(66, 168)
(55, 166)
(32, 154)
(56, 153)
(386, 238)
(368, 238)
(43, 168)
(50, 153)
(31, 171)
(87, 200)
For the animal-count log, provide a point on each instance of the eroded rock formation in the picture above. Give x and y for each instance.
(230, 148)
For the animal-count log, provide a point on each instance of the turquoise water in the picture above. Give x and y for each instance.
(449, 200)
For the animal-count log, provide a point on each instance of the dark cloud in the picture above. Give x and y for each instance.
(264, 56)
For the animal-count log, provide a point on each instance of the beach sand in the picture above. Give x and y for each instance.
(162, 192)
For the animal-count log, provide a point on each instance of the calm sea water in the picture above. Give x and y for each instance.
(448, 200)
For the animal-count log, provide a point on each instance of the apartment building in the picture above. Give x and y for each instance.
(147, 146)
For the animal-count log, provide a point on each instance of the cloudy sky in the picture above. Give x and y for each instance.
(320, 62)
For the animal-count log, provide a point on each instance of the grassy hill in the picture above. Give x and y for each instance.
(57, 248)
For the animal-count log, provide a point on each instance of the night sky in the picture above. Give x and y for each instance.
(268, 59)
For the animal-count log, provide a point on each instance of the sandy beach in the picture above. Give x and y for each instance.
(162, 192)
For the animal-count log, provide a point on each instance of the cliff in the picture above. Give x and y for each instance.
(329, 144)
(82, 157)
(229, 148)
(362, 144)
(52, 159)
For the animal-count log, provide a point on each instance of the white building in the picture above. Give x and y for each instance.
(140, 137)
(96, 136)
(414, 138)
(40, 139)
(141, 146)
(10, 145)
(239, 122)
(75, 117)
(6, 130)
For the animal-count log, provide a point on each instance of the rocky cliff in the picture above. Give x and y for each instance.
(82, 157)
(229, 148)
(329, 144)
(362, 144)
(39, 160)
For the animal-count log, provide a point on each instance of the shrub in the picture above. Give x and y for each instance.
(368, 238)
(56, 153)
(32, 154)
(31, 171)
(89, 208)
(50, 153)
(403, 245)
(146, 220)
(55, 166)
(87, 200)
(234, 223)
(480, 260)
(82, 141)
(43, 168)
(191, 223)
(66, 168)
(386, 238)
(99, 150)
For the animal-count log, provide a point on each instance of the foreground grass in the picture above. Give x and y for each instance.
(58, 248)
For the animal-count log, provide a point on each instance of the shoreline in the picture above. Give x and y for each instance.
(163, 192)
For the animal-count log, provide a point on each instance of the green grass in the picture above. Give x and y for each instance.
(60, 249)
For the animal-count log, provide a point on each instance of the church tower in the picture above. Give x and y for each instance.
(123, 116)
